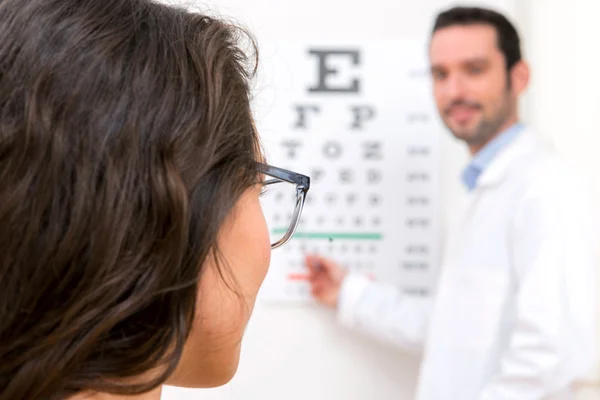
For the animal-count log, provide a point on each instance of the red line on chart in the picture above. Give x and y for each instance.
(298, 277)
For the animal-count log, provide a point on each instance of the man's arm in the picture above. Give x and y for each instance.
(552, 342)
(378, 310)
(383, 312)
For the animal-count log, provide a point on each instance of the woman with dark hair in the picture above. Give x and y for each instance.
(133, 242)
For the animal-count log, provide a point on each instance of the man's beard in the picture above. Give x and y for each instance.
(487, 127)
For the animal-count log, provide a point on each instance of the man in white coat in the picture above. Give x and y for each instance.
(513, 314)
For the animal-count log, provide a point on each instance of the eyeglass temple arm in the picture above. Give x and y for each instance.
(285, 175)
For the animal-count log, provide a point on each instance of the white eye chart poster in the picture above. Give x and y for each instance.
(358, 117)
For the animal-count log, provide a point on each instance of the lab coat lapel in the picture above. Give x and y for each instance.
(523, 144)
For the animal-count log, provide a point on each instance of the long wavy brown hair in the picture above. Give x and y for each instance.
(126, 137)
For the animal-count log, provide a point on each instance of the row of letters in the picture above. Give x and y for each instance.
(333, 150)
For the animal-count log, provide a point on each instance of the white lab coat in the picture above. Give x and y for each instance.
(514, 312)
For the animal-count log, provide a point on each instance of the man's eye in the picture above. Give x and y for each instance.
(438, 75)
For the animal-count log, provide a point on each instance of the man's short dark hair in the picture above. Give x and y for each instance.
(508, 37)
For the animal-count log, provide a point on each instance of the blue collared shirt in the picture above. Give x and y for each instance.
(482, 159)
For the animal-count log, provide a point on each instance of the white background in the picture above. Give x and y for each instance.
(295, 353)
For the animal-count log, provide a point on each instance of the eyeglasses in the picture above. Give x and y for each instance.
(282, 200)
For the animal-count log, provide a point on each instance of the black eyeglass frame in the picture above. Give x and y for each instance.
(302, 183)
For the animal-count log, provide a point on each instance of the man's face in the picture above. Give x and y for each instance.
(470, 82)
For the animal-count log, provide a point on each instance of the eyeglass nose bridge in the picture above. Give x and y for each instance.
(300, 197)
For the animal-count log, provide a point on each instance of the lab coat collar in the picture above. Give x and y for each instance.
(525, 143)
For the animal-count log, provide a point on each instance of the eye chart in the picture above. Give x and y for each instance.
(357, 117)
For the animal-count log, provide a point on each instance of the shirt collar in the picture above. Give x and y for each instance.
(482, 159)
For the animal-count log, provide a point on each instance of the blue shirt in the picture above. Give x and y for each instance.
(482, 159)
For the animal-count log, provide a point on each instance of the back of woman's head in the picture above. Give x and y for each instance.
(126, 138)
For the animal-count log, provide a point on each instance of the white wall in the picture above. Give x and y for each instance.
(299, 352)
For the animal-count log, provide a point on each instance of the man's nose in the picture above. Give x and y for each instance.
(455, 87)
